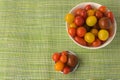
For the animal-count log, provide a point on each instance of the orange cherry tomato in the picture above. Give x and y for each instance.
(94, 31)
(63, 58)
(59, 66)
(56, 57)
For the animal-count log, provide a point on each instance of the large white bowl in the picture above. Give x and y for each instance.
(94, 5)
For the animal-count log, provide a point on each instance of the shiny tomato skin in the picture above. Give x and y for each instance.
(56, 57)
(66, 70)
(81, 31)
(110, 16)
(98, 14)
(103, 9)
(78, 12)
(80, 41)
(72, 31)
(79, 21)
(96, 43)
(88, 7)
(83, 14)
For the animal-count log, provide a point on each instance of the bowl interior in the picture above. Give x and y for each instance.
(94, 5)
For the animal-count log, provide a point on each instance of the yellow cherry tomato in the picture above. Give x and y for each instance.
(103, 34)
(69, 18)
(89, 37)
(91, 21)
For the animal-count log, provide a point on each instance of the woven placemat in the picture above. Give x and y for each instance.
(32, 30)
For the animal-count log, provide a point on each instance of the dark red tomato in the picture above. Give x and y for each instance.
(88, 7)
(102, 9)
(81, 31)
(56, 57)
(79, 21)
(72, 31)
(66, 70)
(110, 16)
(80, 41)
(83, 14)
(78, 11)
(96, 43)
(98, 14)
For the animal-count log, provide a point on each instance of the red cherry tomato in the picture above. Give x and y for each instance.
(102, 9)
(83, 13)
(72, 31)
(64, 53)
(78, 11)
(88, 7)
(81, 31)
(110, 16)
(79, 21)
(98, 14)
(80, 41)
(96, 43)
(56, 57)
(66, 70)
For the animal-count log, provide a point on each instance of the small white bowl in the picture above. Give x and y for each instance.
(94, 5)
(77, 65)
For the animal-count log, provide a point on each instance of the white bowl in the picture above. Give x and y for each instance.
(94, 5)
(77, 65)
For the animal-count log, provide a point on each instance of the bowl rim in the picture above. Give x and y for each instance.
(87, 47)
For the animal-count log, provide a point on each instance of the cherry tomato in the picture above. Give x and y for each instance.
(89, 37)
(73, 25)
(72, 31)
(98, 14)
(80, 41)
(91, 12)
(83, 13)
(56, 57)
(63, 58)
(91, 21)
(96, 43)
(110, 16)
(64, 53)
(78, 12)
(66, 70)
(81, 31)
(103, 34)
(88, 7)
(111, 31)
(69, 18)
(79, 21)
(59, 66)
(103, 9)
(94, 31)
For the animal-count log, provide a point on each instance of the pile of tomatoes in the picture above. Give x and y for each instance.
(90, 26)
(64, 61)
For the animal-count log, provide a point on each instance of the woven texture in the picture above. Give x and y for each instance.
(32, 30)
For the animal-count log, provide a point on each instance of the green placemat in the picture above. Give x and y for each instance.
(32, 30)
